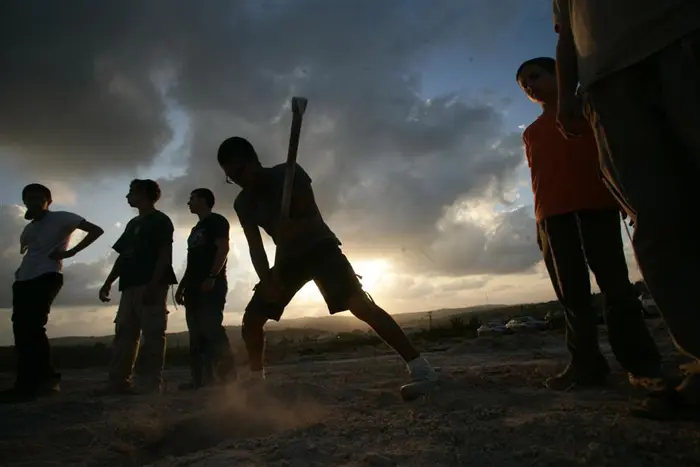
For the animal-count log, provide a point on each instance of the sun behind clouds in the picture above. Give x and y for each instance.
(372, 272)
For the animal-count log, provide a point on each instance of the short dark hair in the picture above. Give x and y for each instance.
(237, 147)
(147, 186)
(206, 194)
(548, 64)
(37, 188)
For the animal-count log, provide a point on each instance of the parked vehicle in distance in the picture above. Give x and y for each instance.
(493, 328)
(526, 323)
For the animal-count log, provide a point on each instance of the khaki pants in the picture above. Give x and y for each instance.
(647, 123)
(134, 319)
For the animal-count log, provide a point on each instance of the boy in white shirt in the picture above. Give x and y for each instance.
(39, 278)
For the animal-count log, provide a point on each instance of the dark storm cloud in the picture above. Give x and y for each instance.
(386, 163)
(76, 89)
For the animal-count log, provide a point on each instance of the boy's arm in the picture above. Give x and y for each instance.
(93, 233)
(258, 256)
(567, 69)
(119, 247)
(257, 250)
(114, 273)
(221, 240)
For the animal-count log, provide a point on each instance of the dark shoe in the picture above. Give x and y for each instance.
(24, 393)
(575, 377)
(681, 403)
(17, 395)
(50, 387)
(191, 386)
(157, 387)
(669, 406)
(653, 382)
(115, 389)
(650, 377)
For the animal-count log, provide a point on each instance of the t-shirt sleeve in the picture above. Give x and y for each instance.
(120, 245)
(220, 228)
(68, 220)
(163, 231)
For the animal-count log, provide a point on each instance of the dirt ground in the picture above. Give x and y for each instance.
(492, 410)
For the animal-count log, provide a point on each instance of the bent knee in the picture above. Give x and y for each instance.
(253, 321)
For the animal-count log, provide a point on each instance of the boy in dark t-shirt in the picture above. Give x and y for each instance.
(145, 272)
(202, 291)
(307, 250)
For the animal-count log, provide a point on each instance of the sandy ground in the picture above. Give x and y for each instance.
(492, 410)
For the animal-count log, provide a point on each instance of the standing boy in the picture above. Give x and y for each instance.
(309, 250)
(638, 63)
(203, 290)
(44, 244)
(145, 272)
(579, 227)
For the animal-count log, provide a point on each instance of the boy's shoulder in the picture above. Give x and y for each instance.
(243, 202)
(64, 215)
(278, 172)
(162, 218)
(219, 218)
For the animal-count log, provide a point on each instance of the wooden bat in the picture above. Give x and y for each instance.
(298, 108)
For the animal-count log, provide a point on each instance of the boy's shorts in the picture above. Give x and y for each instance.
(326, 265)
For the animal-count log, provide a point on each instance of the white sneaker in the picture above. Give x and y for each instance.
(424, 379)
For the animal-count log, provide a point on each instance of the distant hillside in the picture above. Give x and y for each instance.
(308, 326)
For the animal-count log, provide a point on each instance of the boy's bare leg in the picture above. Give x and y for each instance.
(422, 374)
(384, 325)
(254, 337)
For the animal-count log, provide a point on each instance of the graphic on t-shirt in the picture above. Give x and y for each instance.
(196, 238)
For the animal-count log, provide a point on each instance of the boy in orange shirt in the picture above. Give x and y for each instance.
(578, 223)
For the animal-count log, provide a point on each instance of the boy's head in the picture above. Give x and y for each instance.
(37, 199)
(201, 201)
(538, 78)
(143, 193)
(239, 161)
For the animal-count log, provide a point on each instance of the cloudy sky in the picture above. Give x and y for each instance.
(412, 135)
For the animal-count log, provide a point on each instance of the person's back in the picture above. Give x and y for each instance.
(41, 238)
(262, 205)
